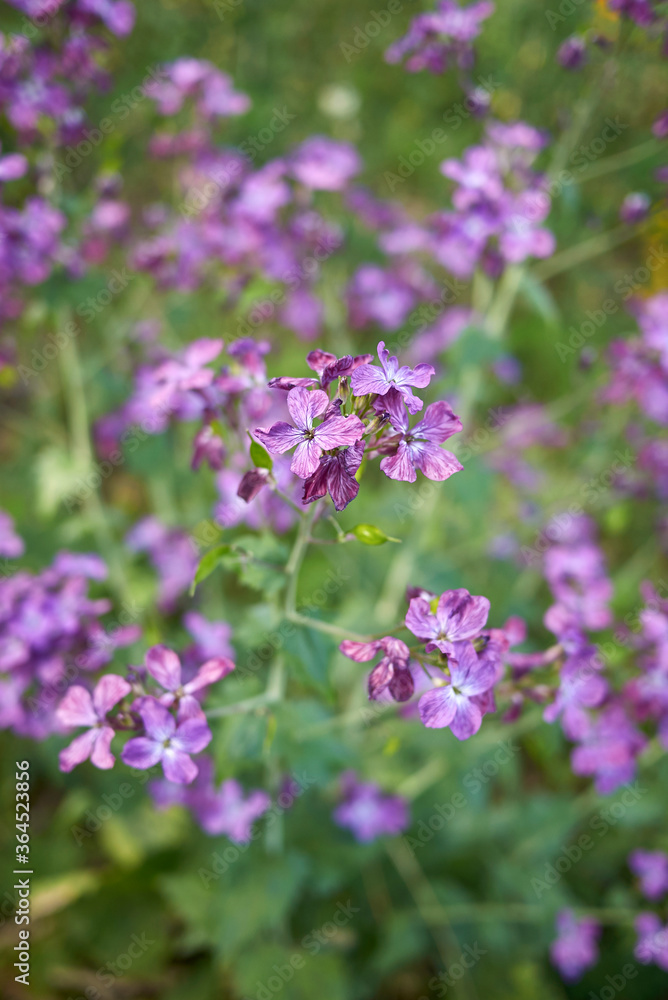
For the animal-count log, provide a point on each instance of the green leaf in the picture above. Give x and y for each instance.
(260, 457)
(208, 563)
(369, 534)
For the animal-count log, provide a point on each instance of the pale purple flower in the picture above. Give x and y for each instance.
(418, 447)
(379, 295)
(11, 544)
(78, 708)
(652, 944)
(575, 949)
(12, 167)
(651, 867)
(609, 750)
(458, 617)
(635, 208)
(572, 53)
(310, 441)
(456, 704)
(441, 37)
(372, 379)
(167, 743)
(580, 688)
(323, 164)
(165, 667)
(367, 812)
(392, 673)
(228, 811)
(211, 638)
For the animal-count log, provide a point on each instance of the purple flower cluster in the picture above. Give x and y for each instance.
(173, 554)
(364, 414)
(640, 365)
(51, 633)
(167, 724)
(367, 812)
(444, 37)
(576, 947)
(454, 676)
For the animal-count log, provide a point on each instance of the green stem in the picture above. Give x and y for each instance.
(584, 251)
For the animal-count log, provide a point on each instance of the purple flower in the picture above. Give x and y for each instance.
(77, 708)
(367, 812)
(651, 867)
(437, 39)
(457, 704)
(634, 208)
(333, 432)
(458, 617)
(419, 448)
(166, 742)
(336, 475)
(572, 53)
(580, 688)
(323, 164)
(208, 447)
(211, 638)
(652, 944)
(165, 667)
(372, 379)
(575, 949)
(228, 811)
(392, 673)
(11, 544)
(609, 750)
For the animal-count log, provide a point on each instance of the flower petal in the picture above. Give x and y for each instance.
(178, 766)
(438, 707)
(438, 424)
(142, 752)
(306, 459)
(368, 378)
(435, 463)
(467, 719)
(76, 708)
(419, 619)
(280, 437)
(305, 406)
(360, 652)
(192, 735)
(108, 692)
(210, 672)
(159, 724)
(78, 751)
(164, 665)
(337, 431)
(399, 466)
(101, 757)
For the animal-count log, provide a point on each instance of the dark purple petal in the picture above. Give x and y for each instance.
(402, 685)
(380, 677)
(251, 484)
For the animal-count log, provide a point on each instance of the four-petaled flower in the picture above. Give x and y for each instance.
(164, 665)
(372, 379)
(304, 406)
(457, 704)
(78, 708)
(167, 742)
(419, 448)
(458, 617)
